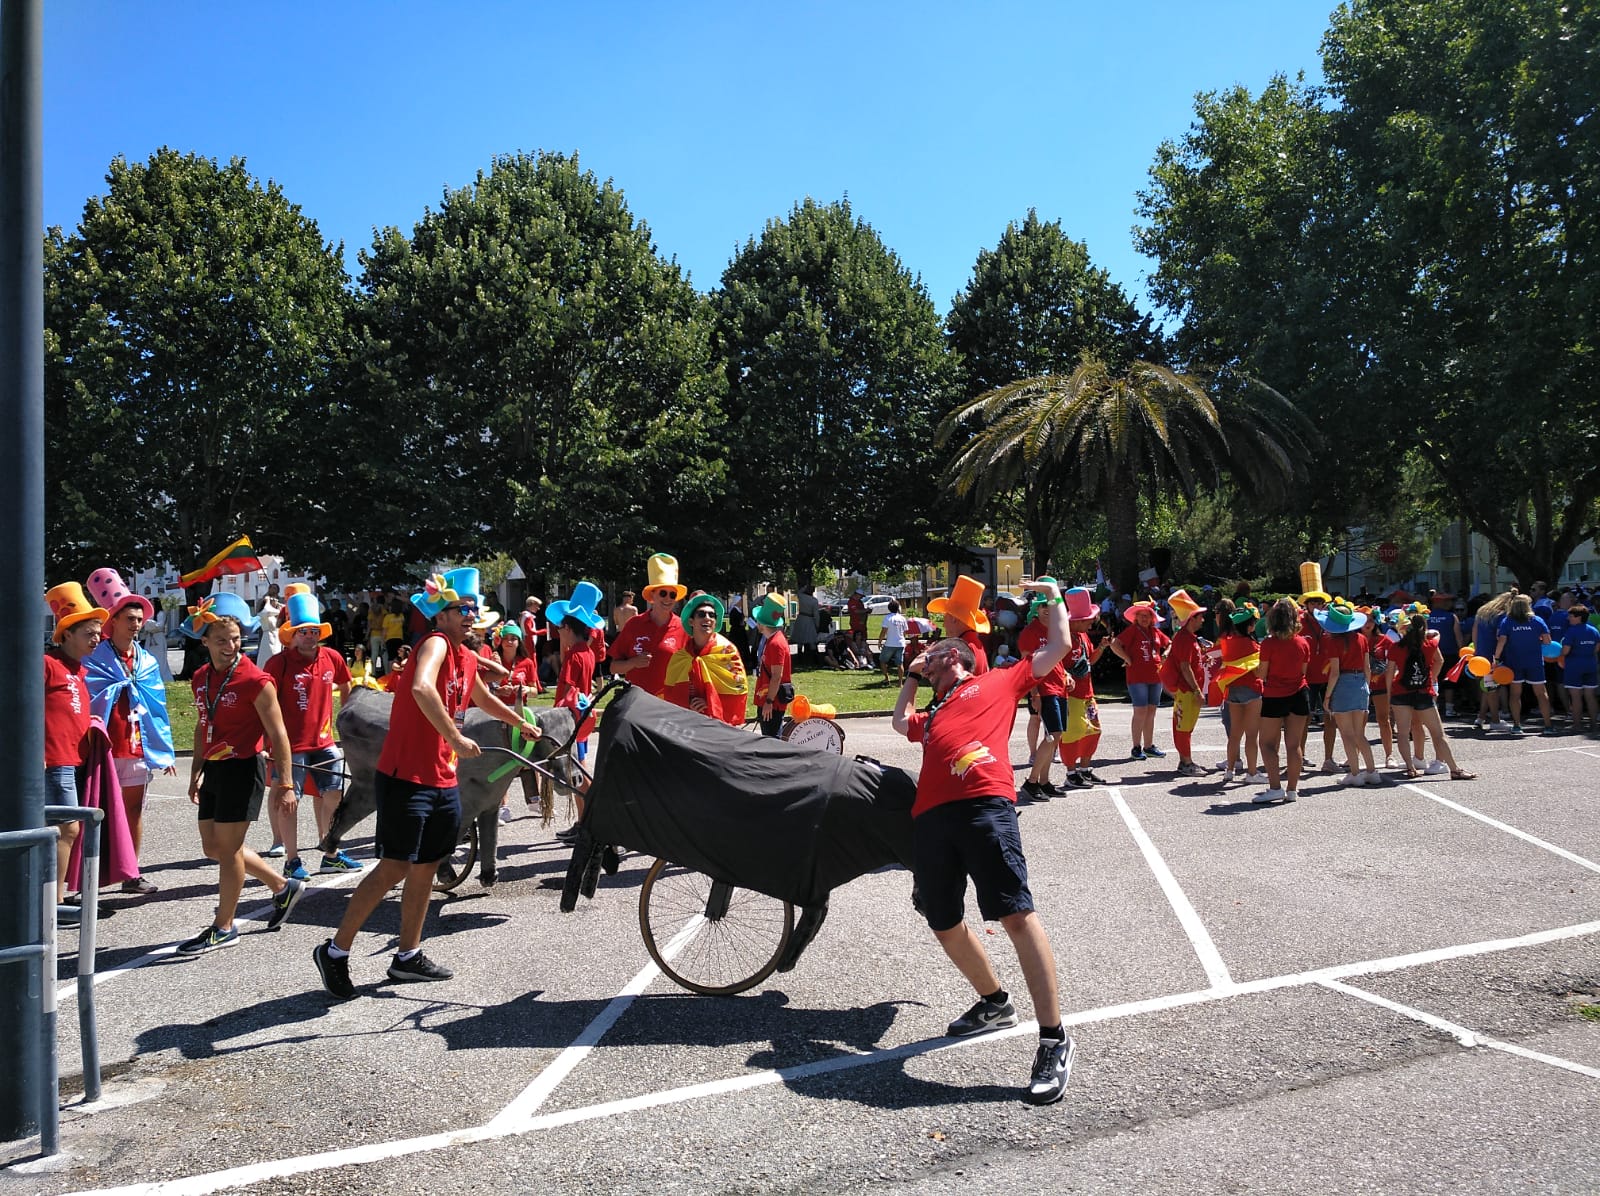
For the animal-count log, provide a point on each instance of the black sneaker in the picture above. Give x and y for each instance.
(418, 967)
(1075, 781)
(1137, 753)
(288, 897)
(985, 1015)
(1050, 789)
(335, 972)
(1031, 791)
(1052, 1066)
(1092, 777)
(209, 939)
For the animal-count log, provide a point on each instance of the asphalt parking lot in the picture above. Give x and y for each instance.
(1371, 990)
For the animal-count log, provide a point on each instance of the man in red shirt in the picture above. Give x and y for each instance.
(773, 689)
(964, 619)
(648, 640)
(1052, 691)
(306, 674)
(419, 803)
(964, 823)
(66, 710)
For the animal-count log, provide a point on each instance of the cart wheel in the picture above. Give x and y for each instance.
(723, 940)
(457, 866)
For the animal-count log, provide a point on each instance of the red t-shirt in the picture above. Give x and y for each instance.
(1185, 649)
(305, 694)
(980, 655)
(1286, 661)
(774, 659)
(413, 750)
(66, 710)
(1350, 650)
(965, 743)
(524, 672)
(1321, 644)
(1237, 646)
(576, 676)
(122, 729)
(1032, 638)
(1144, 649)
(1414, 676)
(234, 730)
(641, 634)
(1082, 650)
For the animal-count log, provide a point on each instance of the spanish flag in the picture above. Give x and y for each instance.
(1234, 670)
(717, 675)
(238, 557)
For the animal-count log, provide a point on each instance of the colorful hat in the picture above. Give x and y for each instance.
(1080, 603)
(580, 606)
(1340, 617)
(302, 611)
(70, 607)
(440, 590)
(769, 612)
(662, 571)
(1136, 607)
(1184, 607)
(108, 591)
(486, 619)
(695, 604)
(217, 606)
(1245, 612)
(965, 603)
(1311, 582)
(508, 630)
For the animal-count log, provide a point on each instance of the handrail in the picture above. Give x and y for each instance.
(88, 1026)
(38, 846)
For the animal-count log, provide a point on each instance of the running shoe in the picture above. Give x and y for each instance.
(505, 813)
(284, 901)
(139, 885)
(1137, 753)
(1330, 765)
(1435, 767)
(1290, 795)
(335, 973)
(275, 852)
(1076, 781)
(1353, 778)
(1371, 778)
(418, 967)
(1050, 789)
(1152, 750)
(1092, 777)
(340, 862)
(1549, 731)
(1190, 769)
(985, 1015)
(295, 870)
(1516, 731)
(1032, 791)
(1267, 796)
(209, 939)
(1052, 1067)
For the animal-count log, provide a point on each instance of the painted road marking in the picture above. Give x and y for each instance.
(1507, 827)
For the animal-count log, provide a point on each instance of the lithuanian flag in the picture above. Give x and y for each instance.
(238, 557)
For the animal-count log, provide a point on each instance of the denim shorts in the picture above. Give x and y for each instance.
(1349, 694)
(61, 786)
(1239, 695)
(1141, 694)
(1053, 713)
(326, 766)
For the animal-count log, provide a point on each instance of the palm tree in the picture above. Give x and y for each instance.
(1103, 436)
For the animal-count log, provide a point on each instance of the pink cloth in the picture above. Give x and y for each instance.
(101, 789)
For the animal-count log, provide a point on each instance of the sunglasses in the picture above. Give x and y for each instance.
(704, 612)
(467, 612)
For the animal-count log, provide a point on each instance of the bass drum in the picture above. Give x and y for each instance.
(821, 733)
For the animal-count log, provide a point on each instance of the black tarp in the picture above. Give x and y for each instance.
(791, 822)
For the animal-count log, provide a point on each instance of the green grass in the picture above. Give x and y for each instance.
(1589, 1013)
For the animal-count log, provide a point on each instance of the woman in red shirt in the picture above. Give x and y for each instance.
(521, 680)
(236, 709)
(1142, 646)
(1242, 695)
(66, 712)
(1285, 704)
(1412, 679)
(1345, 702)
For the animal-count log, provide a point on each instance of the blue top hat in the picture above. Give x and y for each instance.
(580, 606)
(300, 611)
(214, 607)
(441, 590)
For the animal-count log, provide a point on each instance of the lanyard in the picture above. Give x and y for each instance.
(211, 703)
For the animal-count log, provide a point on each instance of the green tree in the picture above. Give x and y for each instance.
(555, 376)
(192, 321)
(836, 374)
(1119, 433)
(1411, 251)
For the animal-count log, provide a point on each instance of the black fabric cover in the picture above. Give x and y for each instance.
(790, 822)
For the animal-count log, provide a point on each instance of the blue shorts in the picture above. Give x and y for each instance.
(1530, 673)
(1349, 694)
(416, 823)
(979, 838)
(1582, 678)
(61, 786)
(326, 766)
(892, 658)
(1141, 694)
(1053, 713)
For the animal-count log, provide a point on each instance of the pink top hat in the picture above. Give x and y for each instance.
(1080, 604)
(108, 590)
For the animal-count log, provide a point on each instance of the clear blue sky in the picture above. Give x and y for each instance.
(941, 121)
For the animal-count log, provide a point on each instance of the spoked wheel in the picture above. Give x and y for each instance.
(457, 866)
(707, 935)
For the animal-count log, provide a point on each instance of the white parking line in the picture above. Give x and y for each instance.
(1467, 1038)
(1507, 827)
(216, 1181)
(1199, 936)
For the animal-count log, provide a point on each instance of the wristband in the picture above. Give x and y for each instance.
(1056, 601)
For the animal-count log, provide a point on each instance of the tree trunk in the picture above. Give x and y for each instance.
(1122, 528)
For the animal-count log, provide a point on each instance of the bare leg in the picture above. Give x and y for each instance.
(68, 836)
(1402, 726)
(1041, 758)
(374, 887)
(133, 804)
(1295, 736)
(1271, 729)
(414, 903)
(224, 842)
(967, 953)
(1038, 965)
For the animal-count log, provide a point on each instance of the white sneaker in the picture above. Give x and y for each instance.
(1350, 778)
(1289, 796)
(1371, 778)
(1258, 777)
(1435, 767)
(1416, 765)
(1266, 796)
(505, 813)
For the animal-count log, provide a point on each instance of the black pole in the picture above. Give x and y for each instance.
(21, 544)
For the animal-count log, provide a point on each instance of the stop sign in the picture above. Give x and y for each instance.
(1388, 552)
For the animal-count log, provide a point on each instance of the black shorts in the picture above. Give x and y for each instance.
(416, 823)
(1297, 703)
(977, 838)
(1414, 701)
(1053, 713)
(231, 790)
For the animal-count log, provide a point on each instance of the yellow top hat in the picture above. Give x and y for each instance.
(965, 604)
(1311, 582)
(71, 606)
(662, 571)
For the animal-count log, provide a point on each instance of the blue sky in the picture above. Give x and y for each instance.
(941, 121)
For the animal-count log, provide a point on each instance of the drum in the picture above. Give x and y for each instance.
(821, 733)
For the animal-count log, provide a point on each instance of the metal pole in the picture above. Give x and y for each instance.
(24, 990)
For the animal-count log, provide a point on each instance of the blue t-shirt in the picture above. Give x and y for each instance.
(1580, 642)
(1524, 642)
(1445, 624)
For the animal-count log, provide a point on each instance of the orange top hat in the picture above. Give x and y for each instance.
(71, 606)
(965, 603)
(1184, 607)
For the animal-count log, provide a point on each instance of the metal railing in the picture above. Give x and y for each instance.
(37, 845)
